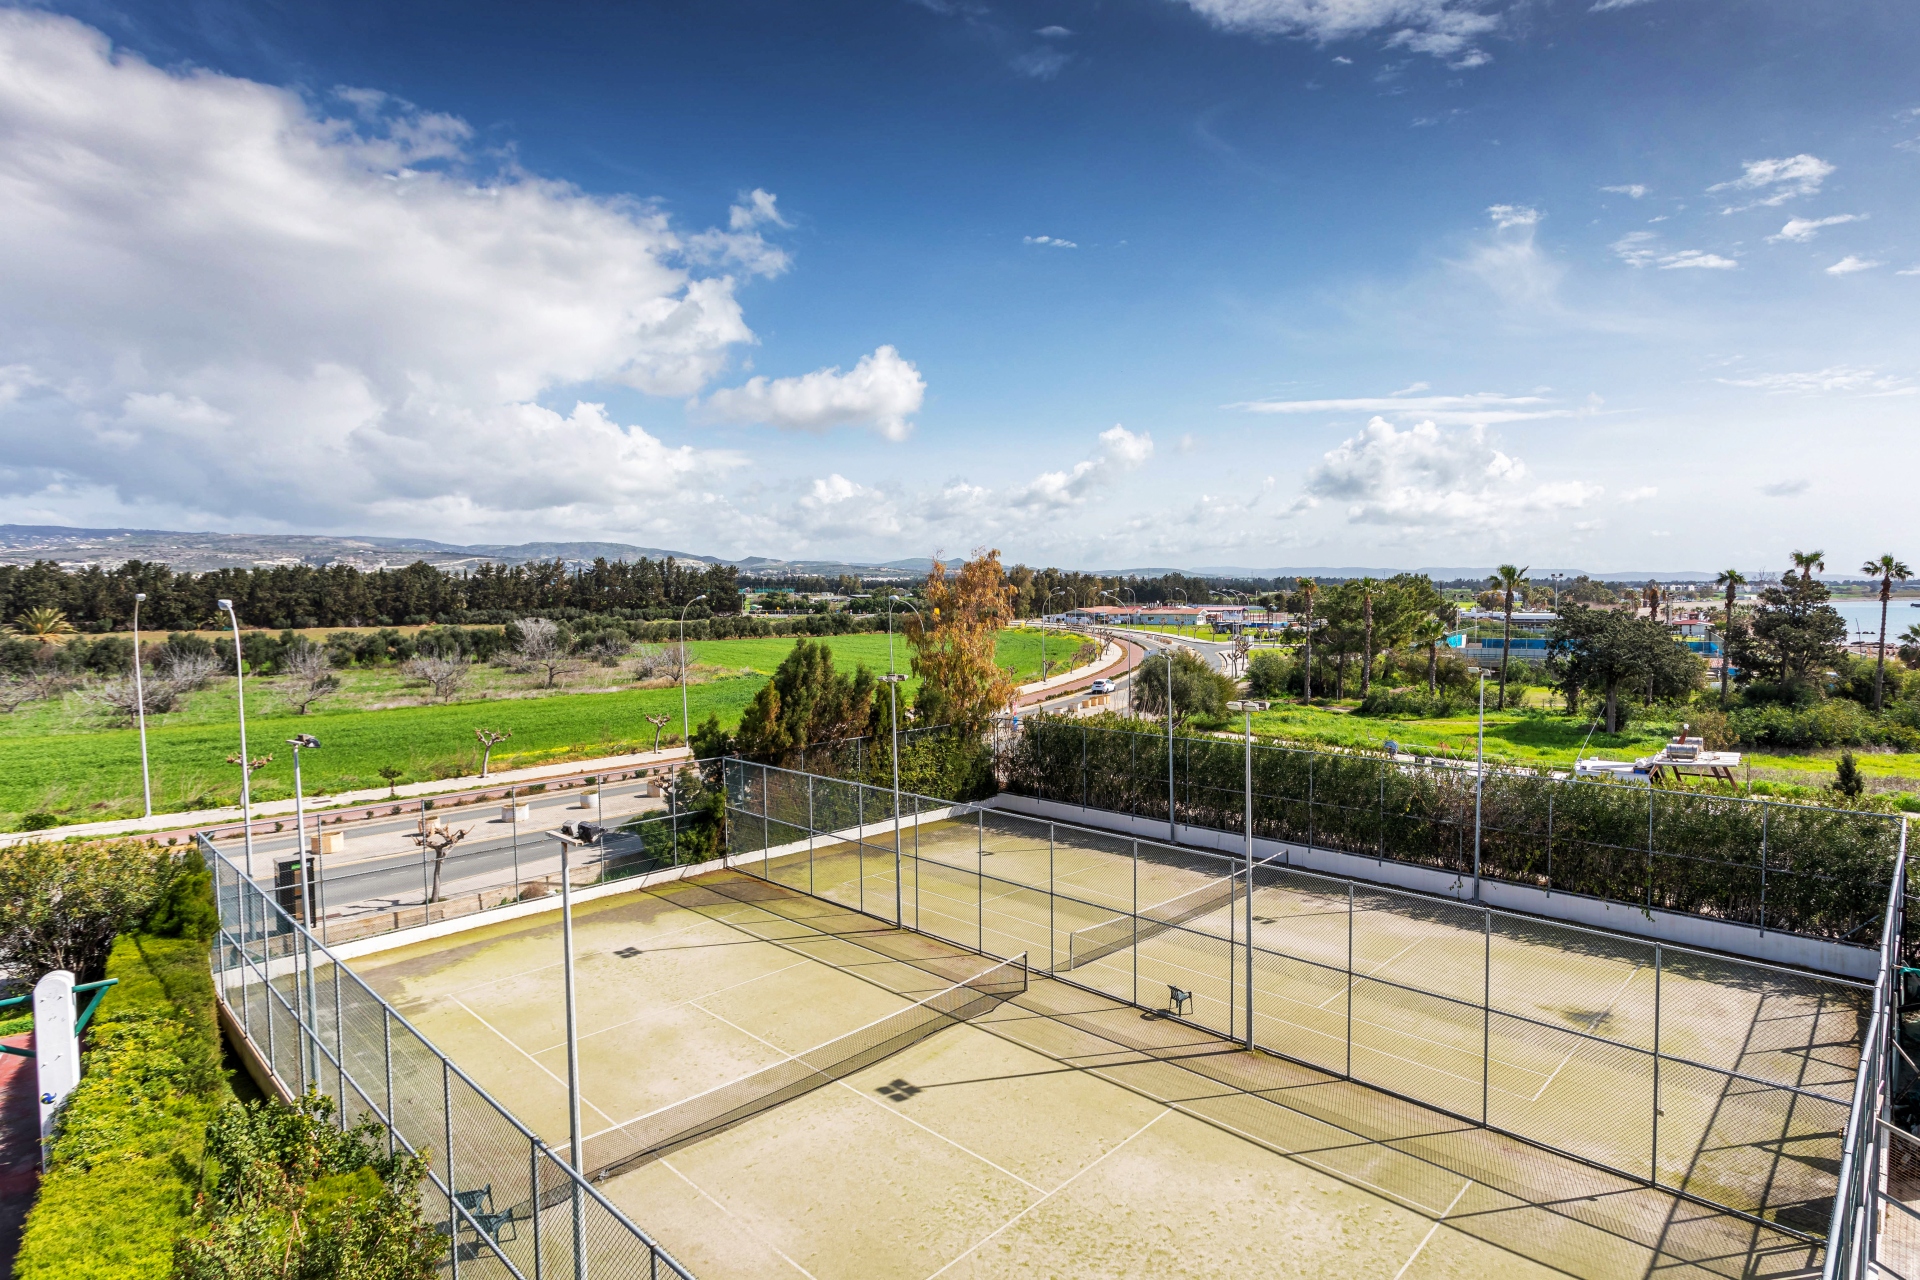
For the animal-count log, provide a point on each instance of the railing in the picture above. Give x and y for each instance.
(1788, 868)
(1872, 1146)
(1613, 1050)
(509, 1205)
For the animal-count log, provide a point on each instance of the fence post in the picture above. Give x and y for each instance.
(980, 882)
(1052, 961)
(386, 1054)
(1084, 793)
(860, 841)
(1349, 979)
(453, 1203)
(1647, 898)
(1486, 1019)
(1310, 835)
(1382, 856)
(809, 833)
(339, 1046)
(1549, 841)
(1134, 950)
(533, 1189)
(1655, 1174)
(1763, 864)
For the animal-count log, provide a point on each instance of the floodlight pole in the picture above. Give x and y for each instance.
(686, 727)
(1479, 779)
(246, 763)
(140, 704)
(573, 1060)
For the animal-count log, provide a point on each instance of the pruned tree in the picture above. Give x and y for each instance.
(188, 670)
(436, 839)
(444, 676)
(659, 723)
(309, 676)
(392, 775)
(655, 662)
(124, 699)
(489, 739)
(543, 648)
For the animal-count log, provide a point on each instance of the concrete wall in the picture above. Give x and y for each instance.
(1673, 927)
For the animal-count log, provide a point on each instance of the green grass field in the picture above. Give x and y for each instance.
(66, 759)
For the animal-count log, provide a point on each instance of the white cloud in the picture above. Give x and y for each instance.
(1636, 249)
(1481, 408)
(1429, 478)
(1447, 29)
(1512, 215)
(1608, 6)
(1781, 179)
(224, 296)
(1850, 264)
(1052, 242)
(1053, 33)
(1826, 381)
(1643, 494)
(1801, 230)
(1632, 190)
(1785, 488)
(1039, 64)
(881, 392)
(1121, 450)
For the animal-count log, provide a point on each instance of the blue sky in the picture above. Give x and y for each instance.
(1251, 282)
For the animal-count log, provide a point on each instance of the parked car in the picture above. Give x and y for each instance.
(1102, 685)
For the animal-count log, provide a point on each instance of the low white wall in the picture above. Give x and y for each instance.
(1673, 927)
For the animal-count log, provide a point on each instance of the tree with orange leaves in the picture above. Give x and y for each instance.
(960, 685)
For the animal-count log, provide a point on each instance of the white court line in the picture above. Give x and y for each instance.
(1376, 969)
(722, 1208)
(541, 968)
(1591, 1023)
(529, 1057)
(958, 1146)
(1430, 1231)
(955, 1260)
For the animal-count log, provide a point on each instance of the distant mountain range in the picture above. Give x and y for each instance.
(199, 552)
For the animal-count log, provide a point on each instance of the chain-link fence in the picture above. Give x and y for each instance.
(1724, 1080)
(1789, 868)
(508, 1205)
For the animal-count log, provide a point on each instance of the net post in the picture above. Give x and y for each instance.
(1657, 966)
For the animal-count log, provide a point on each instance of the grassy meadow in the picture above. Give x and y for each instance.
(69, 759)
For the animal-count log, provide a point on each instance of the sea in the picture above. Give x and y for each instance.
(1863, 618)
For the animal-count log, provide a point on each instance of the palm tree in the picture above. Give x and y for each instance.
(45, 624)
(1809, 561)
(1507, 580)
(1307, 587)
(1888, 570)
(1730, 579)
(1430, 631)
(1367, 588)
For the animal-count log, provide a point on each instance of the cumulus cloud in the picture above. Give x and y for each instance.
(1632, 190)
(1801, 230)
(1429, 477)
(1851, 263)
(1481, 408)
(1781, 180)
(881, 392)
(1512, 215)
(1052, 242)
(225, 296)
(1120, 451)
(1446, 29)
(1638, 249)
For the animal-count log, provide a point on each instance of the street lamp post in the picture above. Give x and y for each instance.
(140, 704)
(1126, 672)
(686, 728)
(246, 763)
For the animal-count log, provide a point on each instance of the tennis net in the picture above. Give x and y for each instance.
(624, 1147)
(1097, 941)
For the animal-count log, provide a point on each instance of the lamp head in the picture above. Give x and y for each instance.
(138, 596)
(697, 599)
(224, 604)
(300, 740)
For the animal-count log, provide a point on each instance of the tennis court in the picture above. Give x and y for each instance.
(1051, 1130)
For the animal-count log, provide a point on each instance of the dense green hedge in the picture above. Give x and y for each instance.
(127, 1157)
(1795, 868)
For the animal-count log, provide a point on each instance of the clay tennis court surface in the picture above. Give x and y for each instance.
(1063, 1133)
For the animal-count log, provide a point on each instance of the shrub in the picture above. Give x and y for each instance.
(62, 904)
(1847, 779)
(120, 1186)
(1834, 722)
(1410, 704)
(1267, 672)
(294, 1197)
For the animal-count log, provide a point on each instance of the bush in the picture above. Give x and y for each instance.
(1410, 704)
(62, 904)
(1834, 722)
(294, 1197)
(120, 1187)
(1267, 673)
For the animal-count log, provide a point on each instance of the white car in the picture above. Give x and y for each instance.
(1102, 685)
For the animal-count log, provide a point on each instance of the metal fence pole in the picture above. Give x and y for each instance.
(1349, 979)
(1486, 1018)
(339, 1046)
(1053, 961)
(1134, 950)
(386, 1053)
(533, 1183)
(453, 1202)
(1763, 864)
(1549, 841)
(809, 833)
(860, 840)
(980, 881)
(1655, 1177)
(513, 815)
